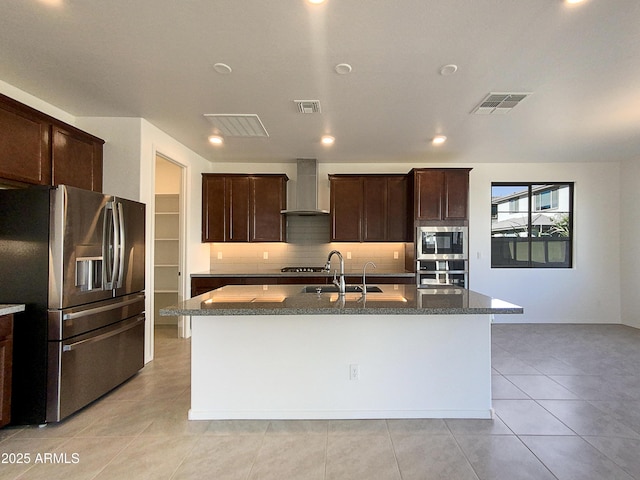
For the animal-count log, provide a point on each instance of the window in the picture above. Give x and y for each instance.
(546, 199)
(531, 225)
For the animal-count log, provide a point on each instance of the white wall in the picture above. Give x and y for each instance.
(587, 293)
(121, 153)
(630, 244)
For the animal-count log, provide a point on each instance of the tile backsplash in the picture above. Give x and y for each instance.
(307, 245)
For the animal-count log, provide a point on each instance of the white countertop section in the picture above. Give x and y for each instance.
(9, 309)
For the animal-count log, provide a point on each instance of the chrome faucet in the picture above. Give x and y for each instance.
(339, 283)
(364, 276)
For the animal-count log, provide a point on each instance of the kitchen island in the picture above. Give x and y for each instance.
(278, 352)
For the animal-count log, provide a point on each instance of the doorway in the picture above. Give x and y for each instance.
(168, 242)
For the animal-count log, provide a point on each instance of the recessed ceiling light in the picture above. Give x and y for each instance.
(571, 2)
(316, 2)
(343, 68)
(328, 140)
(448, 69)
(216, 140)
(222, 68)
(439, 140)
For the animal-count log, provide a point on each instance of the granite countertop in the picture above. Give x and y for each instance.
(7, 309)
(278, 273)
(290, 300)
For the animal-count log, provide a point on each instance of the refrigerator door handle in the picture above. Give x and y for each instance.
(104, 308)
(121, 244)
(111, 246)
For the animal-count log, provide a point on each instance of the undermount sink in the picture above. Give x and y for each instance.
(334, 289)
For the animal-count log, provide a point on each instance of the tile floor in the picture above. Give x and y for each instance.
(567, 401)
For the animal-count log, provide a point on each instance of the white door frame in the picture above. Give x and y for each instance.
(184, 327)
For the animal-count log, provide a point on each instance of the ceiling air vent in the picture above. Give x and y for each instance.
(308, 106)
(499, 103)
(237, 125)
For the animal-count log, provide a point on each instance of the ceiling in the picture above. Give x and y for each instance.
(154, 59)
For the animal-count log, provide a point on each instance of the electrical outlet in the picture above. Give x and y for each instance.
(219, 255)
(348, 255)
(265, 255)
(354, 371)
(395, 255)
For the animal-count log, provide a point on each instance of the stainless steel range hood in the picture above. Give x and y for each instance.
(306, 190)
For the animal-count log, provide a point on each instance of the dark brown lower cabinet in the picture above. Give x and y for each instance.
(6, 367)
(200, 285)
(383, 280)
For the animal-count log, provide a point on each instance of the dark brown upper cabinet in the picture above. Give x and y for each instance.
(25, 139)
(76, 159)
(441, 195)
(369, 208)
(267, 198)
(38, 149)
(345, 208)
(243, 208)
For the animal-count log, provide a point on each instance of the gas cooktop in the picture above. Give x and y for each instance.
(302, 269)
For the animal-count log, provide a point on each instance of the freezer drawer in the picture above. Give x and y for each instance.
(78, 320)
(86, 367)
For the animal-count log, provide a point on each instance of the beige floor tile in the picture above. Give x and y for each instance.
(292, 457)
(237, 427)
(149, 458)
(78, 459)
(125, 419)
(298, 427)
(573, 457)
(361, 457)
(220, 458)
(434, 457)
(19, 455)
(623, 451)
(502, 458)
(358, 427)
(473, 426)
(424, 426)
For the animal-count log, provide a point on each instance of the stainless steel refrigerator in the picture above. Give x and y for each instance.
(77, 260)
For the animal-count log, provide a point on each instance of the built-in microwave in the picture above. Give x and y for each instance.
(442, 243)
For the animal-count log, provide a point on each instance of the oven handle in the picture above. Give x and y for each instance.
(104, 308)
(426, 270)
(98, 338)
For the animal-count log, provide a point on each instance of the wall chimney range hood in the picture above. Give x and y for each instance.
(306, 189)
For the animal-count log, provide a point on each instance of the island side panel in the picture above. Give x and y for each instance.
(299, 366)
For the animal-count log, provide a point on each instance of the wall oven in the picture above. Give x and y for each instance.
(442, 243)
(442, 256)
